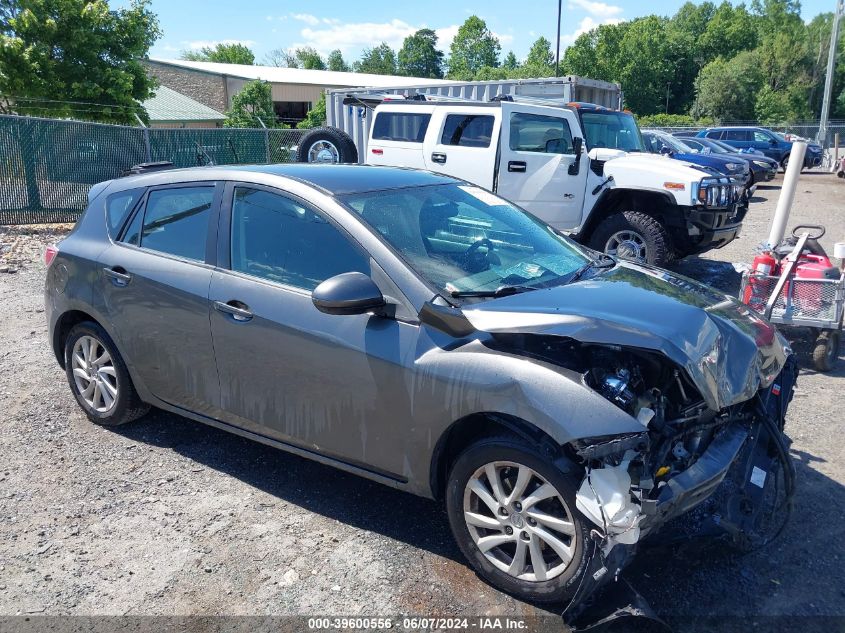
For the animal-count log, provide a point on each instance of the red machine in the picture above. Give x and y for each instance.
(797, 284)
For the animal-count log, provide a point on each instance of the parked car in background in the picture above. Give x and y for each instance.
(422, 332)
(762, 167)
(660, 142)
(771, 143)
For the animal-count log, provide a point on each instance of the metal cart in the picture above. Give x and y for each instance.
(798, 302)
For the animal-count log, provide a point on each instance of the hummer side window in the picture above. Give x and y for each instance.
(409, 127)
(467, 130)
(538, 133)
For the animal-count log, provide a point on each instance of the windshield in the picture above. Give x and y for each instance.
(673, 143)
(461, 238)
(611, 129)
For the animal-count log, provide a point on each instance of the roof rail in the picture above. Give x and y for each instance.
(144, 168)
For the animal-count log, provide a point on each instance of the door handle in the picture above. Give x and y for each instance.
(517, 165)
(438, 157)
(238, 310)
(119, 276)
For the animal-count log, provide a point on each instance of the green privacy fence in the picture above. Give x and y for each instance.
(47, 166)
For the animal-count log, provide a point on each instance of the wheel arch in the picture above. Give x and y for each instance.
(65, 323)
(466, 430)
(649, 201)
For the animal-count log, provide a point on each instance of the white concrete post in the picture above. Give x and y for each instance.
(787, 194)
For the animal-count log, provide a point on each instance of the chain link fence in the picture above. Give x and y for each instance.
(47, 166)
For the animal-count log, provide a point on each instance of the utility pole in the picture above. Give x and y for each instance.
(557, 48)
(667, 94)
(821, 137)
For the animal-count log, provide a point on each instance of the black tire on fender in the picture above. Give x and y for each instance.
(94, 366)
(642, 231)
(559, 579)
(326, 145)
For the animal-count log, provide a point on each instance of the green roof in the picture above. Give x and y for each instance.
(169, 105)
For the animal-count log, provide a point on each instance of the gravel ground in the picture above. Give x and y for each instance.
(169, 517)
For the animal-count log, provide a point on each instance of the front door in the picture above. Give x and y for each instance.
(154, 286)
(288, 371)
(536, 153)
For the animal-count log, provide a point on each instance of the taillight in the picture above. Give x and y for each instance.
(50, 254)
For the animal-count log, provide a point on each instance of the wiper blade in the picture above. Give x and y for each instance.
(501, 291)
(604, 261)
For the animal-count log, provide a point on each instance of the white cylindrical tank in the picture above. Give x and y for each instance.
(787, 194)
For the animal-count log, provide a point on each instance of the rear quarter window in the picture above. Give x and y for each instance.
(467, 130)
(409, 127)
(118, 206)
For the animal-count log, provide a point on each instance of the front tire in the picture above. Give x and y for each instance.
(633, 236)
(512, 513)
(98, 377)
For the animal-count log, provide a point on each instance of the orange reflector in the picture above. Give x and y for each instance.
(674, 186)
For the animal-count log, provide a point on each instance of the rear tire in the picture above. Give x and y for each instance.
(633, 236)
(826, 351)
(326, 145)
(98, 377)
(557, 542)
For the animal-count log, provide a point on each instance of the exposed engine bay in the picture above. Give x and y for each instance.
(729, 468)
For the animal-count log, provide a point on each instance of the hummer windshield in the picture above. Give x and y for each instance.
(611, 129)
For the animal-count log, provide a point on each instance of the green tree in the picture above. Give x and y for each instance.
(474, 46)
(77, 58)
(222, 53)
(541, 60)
(646, 65)
(337, 63)
(419, 56)
(380, 60)
(309, 59)
(511, 62)
(252, 104)
(726, 90)
(316, 116)
(597, 54)
(730, 31)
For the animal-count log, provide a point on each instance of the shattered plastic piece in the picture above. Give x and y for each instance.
(605, 498)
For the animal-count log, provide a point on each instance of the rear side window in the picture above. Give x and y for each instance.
(716, 134)
(538, 133)
(467, 130)
(277, 238)
(118, 206)
(401, 126)
(737, 135)
(175, 222)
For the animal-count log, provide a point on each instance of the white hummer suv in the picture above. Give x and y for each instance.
(582, 168)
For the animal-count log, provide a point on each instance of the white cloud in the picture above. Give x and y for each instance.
(598, 9)
(351, 37)
(306, 17)
(198, 44)
(586, 24)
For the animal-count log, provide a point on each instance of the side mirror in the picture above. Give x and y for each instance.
(348, 293)
(772, 142)
(666, 151)
(578, 149)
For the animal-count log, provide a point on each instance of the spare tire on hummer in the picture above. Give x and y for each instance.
(326, 145)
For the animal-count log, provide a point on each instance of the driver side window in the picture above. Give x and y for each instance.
(541, 134)
(277, 238)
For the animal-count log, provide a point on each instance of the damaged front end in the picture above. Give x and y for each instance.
(731, 467)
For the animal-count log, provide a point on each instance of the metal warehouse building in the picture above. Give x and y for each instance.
(294, 90)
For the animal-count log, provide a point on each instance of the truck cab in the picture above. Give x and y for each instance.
(581, 168)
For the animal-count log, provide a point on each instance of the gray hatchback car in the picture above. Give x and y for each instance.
(422, 332)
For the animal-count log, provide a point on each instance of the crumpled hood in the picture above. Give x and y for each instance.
(728, 350)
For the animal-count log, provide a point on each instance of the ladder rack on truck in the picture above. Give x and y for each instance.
(351, 109)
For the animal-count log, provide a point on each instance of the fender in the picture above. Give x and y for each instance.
(611, 200)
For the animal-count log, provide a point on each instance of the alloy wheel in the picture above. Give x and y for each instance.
(94, 374)
(323, 152)
(628, 245)
(519, 521)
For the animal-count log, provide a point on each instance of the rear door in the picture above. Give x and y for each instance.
(463, 143)
(535, 157)
(153, 283)
(739, 138)
(397, 135)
